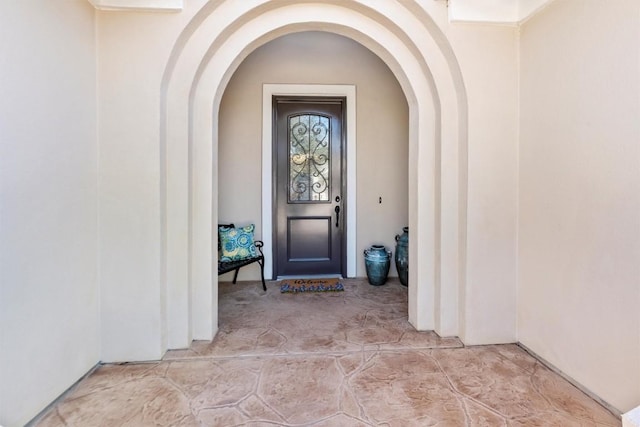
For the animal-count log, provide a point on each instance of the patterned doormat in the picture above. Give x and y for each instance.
(294, 286)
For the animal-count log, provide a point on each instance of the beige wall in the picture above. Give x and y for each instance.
(133, 49)
(49, 334)
(579, 228)
(488, 301)
(382, 132)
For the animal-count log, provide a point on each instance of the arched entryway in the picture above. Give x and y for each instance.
(307, 64)
(203, 60)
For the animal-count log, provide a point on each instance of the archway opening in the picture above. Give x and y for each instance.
(311, 63)
(203, 62)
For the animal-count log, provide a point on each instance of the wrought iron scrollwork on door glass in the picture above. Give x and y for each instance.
(309, 158)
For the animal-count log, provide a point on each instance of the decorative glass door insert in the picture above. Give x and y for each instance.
(309, 158)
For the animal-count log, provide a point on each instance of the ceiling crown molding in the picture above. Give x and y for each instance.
(142, 5)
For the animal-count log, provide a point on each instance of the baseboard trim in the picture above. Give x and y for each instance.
(615, 411)
(62, 396)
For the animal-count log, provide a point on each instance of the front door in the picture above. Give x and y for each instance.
(309, 208)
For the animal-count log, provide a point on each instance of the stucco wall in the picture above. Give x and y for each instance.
(133, 49)
(382, 125)
(49, 333)
(488, 303)
(579, 228)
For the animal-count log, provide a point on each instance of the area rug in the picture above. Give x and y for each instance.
(294, 286)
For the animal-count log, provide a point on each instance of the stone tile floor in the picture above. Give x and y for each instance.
(327, 359)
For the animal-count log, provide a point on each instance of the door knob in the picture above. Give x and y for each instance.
(337, 210)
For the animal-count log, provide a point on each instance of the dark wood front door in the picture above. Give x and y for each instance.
(309, 208)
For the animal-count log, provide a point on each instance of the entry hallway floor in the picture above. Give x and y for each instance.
(327, 359)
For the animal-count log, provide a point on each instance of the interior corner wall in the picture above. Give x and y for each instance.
(49, 322)
(579, 223)
(382, 123)
(488, 301)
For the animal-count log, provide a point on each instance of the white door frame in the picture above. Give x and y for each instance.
(268, 91)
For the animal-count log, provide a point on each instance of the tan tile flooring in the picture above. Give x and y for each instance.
(327, 359)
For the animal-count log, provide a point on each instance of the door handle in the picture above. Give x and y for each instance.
(337, 209)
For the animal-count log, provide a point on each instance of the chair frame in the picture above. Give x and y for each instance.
(227, 266)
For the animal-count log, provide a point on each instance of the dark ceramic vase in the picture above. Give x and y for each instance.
(377, 260)
(402, 256)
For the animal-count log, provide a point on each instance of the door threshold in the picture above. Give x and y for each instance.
(311, 276)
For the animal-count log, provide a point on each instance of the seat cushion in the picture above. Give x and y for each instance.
(236, 243)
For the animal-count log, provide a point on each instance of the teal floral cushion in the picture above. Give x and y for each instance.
(236, 243)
